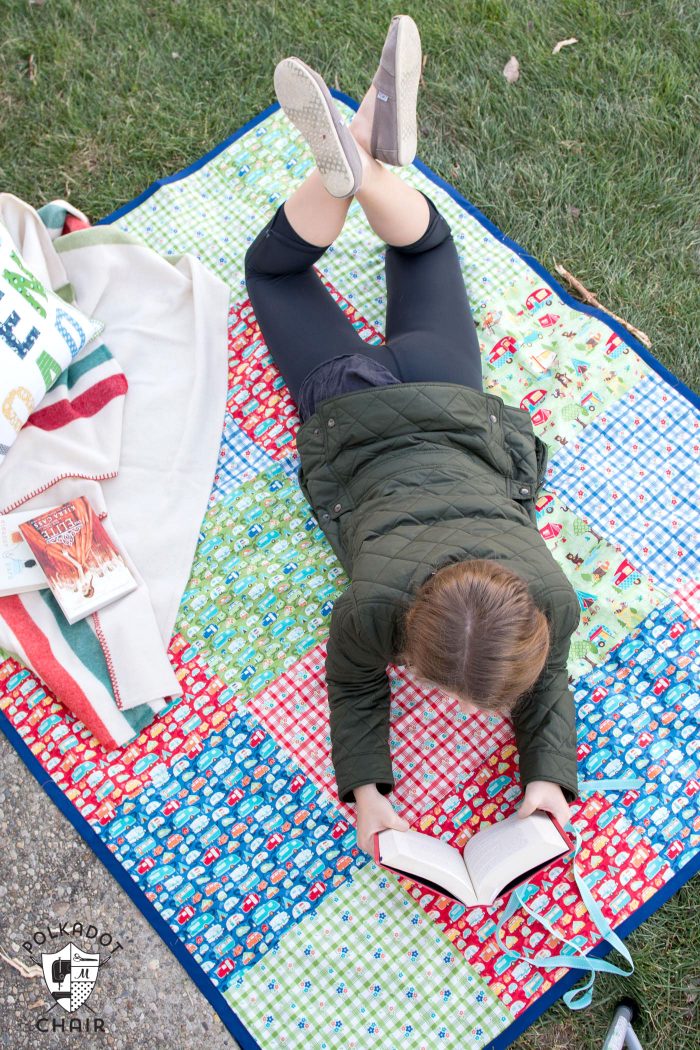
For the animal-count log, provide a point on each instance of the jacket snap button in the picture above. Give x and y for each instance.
(494, 419)
(325, 516)
(331, 422)
(317, 430)
(337, 508)
(524, 491)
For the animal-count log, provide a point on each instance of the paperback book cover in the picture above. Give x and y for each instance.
(82, 566)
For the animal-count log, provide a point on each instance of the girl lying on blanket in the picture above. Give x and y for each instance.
(423, 484)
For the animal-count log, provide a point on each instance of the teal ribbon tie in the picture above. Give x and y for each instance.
(575, 958)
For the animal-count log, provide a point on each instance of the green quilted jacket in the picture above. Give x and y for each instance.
(403, 479)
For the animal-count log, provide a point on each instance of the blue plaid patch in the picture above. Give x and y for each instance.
(240, 460)
(633, 474)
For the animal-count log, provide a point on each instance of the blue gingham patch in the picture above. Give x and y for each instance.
(634, 475)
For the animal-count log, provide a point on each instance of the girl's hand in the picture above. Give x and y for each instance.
(374, 813)
(541, 794)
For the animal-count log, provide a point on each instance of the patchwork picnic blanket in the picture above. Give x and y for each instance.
(222, 820)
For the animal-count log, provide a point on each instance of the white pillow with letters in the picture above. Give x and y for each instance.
(40, 334)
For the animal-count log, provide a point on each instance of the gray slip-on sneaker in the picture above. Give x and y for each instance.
(394, 126)
(304, 97)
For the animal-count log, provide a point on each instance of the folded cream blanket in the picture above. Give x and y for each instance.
(134, 423)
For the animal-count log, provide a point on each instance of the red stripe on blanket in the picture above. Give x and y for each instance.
(86, 404)
(62, 684)
(71, 223)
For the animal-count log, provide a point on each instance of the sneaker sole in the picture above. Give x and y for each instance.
(308, 104)
(408, 70)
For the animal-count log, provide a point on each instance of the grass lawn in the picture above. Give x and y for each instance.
(591, 160)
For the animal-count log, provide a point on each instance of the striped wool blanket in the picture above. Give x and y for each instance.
(100, 432)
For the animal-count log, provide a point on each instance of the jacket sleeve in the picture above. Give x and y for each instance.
(359, 698)
(545, 719)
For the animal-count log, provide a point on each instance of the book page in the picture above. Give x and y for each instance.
(415, 854)
(499, 854)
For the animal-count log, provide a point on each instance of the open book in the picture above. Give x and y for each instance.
(497, 858)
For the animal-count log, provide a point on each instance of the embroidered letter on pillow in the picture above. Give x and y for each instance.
(40, 334)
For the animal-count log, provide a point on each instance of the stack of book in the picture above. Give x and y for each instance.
(67, 549)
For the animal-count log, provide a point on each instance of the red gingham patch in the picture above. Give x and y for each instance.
(432, 743)
(688, 598)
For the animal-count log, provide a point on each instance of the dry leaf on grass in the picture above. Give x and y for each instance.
(511, 70)
(564, 43)
(572, 144)
(31, 67)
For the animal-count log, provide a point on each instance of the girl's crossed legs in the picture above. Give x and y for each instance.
(430, 333)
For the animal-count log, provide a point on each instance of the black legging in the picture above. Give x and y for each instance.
(430, 332)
